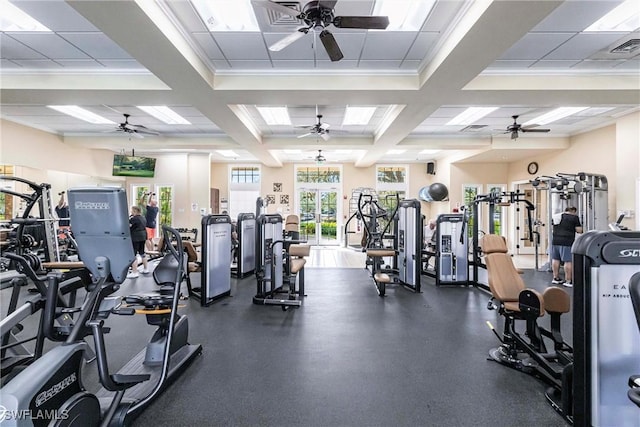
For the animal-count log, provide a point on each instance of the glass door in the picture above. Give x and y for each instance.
(318, 212)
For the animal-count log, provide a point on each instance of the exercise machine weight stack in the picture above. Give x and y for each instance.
(215, 278)
(246, 245)
(605, 337)
(452, 264)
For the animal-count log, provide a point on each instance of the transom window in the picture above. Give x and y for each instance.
(245, 175)
(318, 174)
(391, 174)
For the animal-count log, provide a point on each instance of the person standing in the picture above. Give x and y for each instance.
(62, 210)
(565, 226)
(150, 216)
(137, 227)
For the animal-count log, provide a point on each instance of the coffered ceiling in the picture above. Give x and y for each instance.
(523, 57)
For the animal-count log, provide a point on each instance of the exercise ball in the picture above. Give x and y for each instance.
(438, 191)
(424, 194)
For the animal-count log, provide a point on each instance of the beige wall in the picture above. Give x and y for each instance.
(627, 168)
(613, 151)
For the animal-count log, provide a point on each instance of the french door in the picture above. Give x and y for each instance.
(318, 213)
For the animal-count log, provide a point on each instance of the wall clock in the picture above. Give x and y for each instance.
(532, 168)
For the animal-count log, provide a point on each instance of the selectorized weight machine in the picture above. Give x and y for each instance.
(246, 249)
(271, 248)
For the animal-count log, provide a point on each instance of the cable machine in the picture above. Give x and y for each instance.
(588, 192)
(493, 200)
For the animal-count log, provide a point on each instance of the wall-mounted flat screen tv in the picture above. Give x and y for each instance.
(142, 167)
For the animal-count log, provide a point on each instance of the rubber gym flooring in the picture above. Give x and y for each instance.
(347, 357)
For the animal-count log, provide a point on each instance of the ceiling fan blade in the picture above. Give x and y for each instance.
(286, 41)
(325, 136)
(304, 127)
(136, 134)
(331, 46)
(325, 126)
(365, 22)
(535, 130)
(306, 134)
(146, 132)
(277, 7)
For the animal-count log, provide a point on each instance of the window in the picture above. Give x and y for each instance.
(245, 175)
(244, 189)
(498, 211)
(391, 186)
(391, 174)
(469, 193)
(318, 174)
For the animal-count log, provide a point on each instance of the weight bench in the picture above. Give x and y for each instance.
(296, 261)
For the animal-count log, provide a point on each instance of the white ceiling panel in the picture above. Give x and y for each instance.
(410, 65)
(597, 64)
(384, 45)
(442, 14)
(11, 48)
(37, 63)
(631, 64)
(6, 64)
(250, 65)
(56, 15)
(187, 14)
(583, 45)
(209, 46)
(380, 65)
(354, 7)
(575, 16)
(96, 45)
(80, 64)
(536, 45)
(293, 65)
(242, 46)
(126, 64)
(345, 64)
(50, 45)
(512, 64)
(557, 64)
(422, 45)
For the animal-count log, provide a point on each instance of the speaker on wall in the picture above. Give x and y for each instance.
(431, 168)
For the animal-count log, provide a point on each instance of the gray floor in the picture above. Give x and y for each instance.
(345, 358)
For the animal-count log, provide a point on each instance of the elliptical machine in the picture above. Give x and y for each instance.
(50, 390)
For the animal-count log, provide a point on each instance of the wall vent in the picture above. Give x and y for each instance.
(279, 19)
(627, 47)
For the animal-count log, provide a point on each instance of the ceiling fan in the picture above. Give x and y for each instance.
(317, 15)
(320, 129)
(136, 130)
(516, 127)
(320, 158)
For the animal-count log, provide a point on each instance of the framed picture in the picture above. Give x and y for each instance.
(284, 199)
(271, 199)
(277, 187)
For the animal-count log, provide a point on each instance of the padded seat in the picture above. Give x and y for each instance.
(297, 264)
(382, 278)
(193, 265)
(380, 252)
